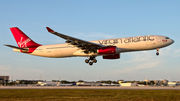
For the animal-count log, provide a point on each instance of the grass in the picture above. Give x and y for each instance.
(88, 95)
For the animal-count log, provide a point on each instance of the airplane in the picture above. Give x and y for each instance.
(47, 83)
(72, 84)
(112, 84)
(74, 47)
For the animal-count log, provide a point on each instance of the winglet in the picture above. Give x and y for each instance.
(50, 30)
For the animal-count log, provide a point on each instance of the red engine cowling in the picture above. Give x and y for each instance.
(107, 50)
(114, 56)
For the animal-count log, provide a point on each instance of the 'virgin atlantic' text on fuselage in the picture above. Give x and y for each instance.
(126, 40)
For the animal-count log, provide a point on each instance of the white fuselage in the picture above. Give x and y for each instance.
(129, 44)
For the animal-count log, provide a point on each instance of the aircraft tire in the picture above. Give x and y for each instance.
(90, 63)
(157, 53)
(86, 61)
(94, 60)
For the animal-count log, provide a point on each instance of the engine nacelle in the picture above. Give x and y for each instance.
(113, 56)
(107, 50)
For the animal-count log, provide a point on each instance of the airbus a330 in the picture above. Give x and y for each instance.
(73, 47)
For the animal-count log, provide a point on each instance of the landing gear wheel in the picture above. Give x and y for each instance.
(90, 63)
(94, 60)
(86, 61)
(157, 53)
(91, 60)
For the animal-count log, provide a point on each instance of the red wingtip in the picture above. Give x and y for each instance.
(49, 30)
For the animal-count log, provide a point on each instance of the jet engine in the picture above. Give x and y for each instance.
(113, 56)
(107, 50)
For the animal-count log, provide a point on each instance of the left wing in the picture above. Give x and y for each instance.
(84, 45)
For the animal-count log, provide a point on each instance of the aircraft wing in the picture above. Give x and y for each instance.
(84, 45)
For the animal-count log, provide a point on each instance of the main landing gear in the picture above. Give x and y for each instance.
(157, 52)
(91, 60)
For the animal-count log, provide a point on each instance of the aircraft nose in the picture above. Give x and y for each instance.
(172, 41)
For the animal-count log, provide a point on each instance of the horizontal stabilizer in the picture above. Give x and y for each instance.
(16, 47)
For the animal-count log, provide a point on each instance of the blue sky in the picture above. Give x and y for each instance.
(91, 20)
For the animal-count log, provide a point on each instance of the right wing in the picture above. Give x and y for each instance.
(84, 45)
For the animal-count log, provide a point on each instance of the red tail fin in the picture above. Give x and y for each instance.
(22, 39)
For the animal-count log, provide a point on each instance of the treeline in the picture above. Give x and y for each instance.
(70, 82)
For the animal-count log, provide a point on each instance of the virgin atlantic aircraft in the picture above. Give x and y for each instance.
(108, 48)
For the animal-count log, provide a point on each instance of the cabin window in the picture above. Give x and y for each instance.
(167, 37)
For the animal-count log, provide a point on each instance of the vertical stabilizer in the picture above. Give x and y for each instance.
(22, 39)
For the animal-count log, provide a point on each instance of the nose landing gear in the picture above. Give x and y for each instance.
(91, 60)
(157, 52)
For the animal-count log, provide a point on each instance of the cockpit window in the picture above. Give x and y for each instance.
(167, 37)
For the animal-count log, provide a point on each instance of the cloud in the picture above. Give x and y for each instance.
(100, 35)
(20, 72)
(30, 70)
(170, 52)
(139, 66)
(2, 68)
(92, 35)
(147, 59)
(139, 57)
(176, 53)
(140, 61)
